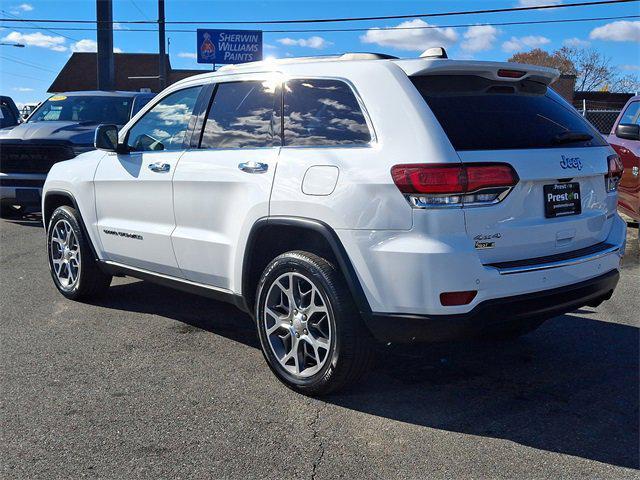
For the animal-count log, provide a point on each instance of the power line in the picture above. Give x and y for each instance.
(41, 28)
(338, 30)
(133, 2)
(4, 72)
(334, 20)
(28, 64)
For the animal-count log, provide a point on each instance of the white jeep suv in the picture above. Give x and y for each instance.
(348, 199)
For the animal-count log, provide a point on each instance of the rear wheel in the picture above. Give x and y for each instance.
(312, 336)
(74, 269)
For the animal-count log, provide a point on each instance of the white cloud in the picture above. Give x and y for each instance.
(88, 45)
(37, 39)
(530, 41)
(84, 45)
(311, 42)
(630, 68)
(537, 3)
(191, 55)
(576, 42)
(23, 7)
(119, 26)
(621, 31)
(406, 36)
(479, 38)
(23, 89)
(268, 46)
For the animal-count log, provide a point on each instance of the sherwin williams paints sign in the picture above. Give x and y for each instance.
(229, 46)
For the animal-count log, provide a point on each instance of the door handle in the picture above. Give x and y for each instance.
(159, 167)
(253, 167)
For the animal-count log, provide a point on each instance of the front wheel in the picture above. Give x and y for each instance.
(74, 269)
(311, 334)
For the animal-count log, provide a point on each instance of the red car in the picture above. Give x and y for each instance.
(625, 139)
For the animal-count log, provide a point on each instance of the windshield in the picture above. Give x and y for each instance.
(481, 114)
(91, 109)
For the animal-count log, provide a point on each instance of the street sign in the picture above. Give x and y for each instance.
(229, 46)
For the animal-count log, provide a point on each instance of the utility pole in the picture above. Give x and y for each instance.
(162, 61)
(104, 17)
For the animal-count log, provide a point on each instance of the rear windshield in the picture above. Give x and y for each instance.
(481, 114)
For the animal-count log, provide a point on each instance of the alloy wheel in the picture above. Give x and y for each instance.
(297, 324)
(64, 251)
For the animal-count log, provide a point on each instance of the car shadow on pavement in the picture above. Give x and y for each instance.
(27, 220)
(571, 387)
(199, 312)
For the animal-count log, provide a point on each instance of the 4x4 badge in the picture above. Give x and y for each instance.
(482, 242)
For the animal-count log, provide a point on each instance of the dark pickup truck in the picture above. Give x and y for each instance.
(61, 128)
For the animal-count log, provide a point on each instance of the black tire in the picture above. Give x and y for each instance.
(511, 331)
(91, 280)
(12, 211)
(350, 353)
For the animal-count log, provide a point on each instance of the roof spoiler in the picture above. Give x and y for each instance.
(502, 71)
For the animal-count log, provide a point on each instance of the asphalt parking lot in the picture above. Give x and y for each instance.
(152, 383)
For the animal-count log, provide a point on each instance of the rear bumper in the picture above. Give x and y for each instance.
(399, 328)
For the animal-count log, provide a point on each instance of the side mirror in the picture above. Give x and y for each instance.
(106, 138)
(629, 131)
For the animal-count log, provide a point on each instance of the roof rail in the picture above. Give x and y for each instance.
(318, 58)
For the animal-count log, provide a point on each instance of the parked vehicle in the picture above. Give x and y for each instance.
(625, 139)
(27, 109)
(61, 128)
(9, 114)
(344, 199)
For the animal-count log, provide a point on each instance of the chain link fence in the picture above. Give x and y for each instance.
(602, 115)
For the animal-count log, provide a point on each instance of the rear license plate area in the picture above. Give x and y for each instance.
(562, 199)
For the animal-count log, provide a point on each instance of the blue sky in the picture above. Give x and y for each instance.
(26, 73)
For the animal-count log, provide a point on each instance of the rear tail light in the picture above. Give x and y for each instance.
(441, 185)
(614, 174)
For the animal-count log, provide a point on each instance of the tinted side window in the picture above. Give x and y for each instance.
(322, 112)
(631, 114)
(243, 115)
(165, 126)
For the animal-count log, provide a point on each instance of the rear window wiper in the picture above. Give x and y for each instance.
(569, 137)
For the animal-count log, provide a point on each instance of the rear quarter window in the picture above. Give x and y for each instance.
(482, 114)
(319, 112)
(631, 114)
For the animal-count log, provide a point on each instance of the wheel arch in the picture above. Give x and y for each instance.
(58, 198)
(271, 236)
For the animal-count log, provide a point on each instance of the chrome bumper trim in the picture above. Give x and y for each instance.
(561, 263)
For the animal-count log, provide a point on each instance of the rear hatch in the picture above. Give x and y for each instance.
(560, 202)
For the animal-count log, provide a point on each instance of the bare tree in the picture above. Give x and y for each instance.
(592, 69)
(626, 83)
